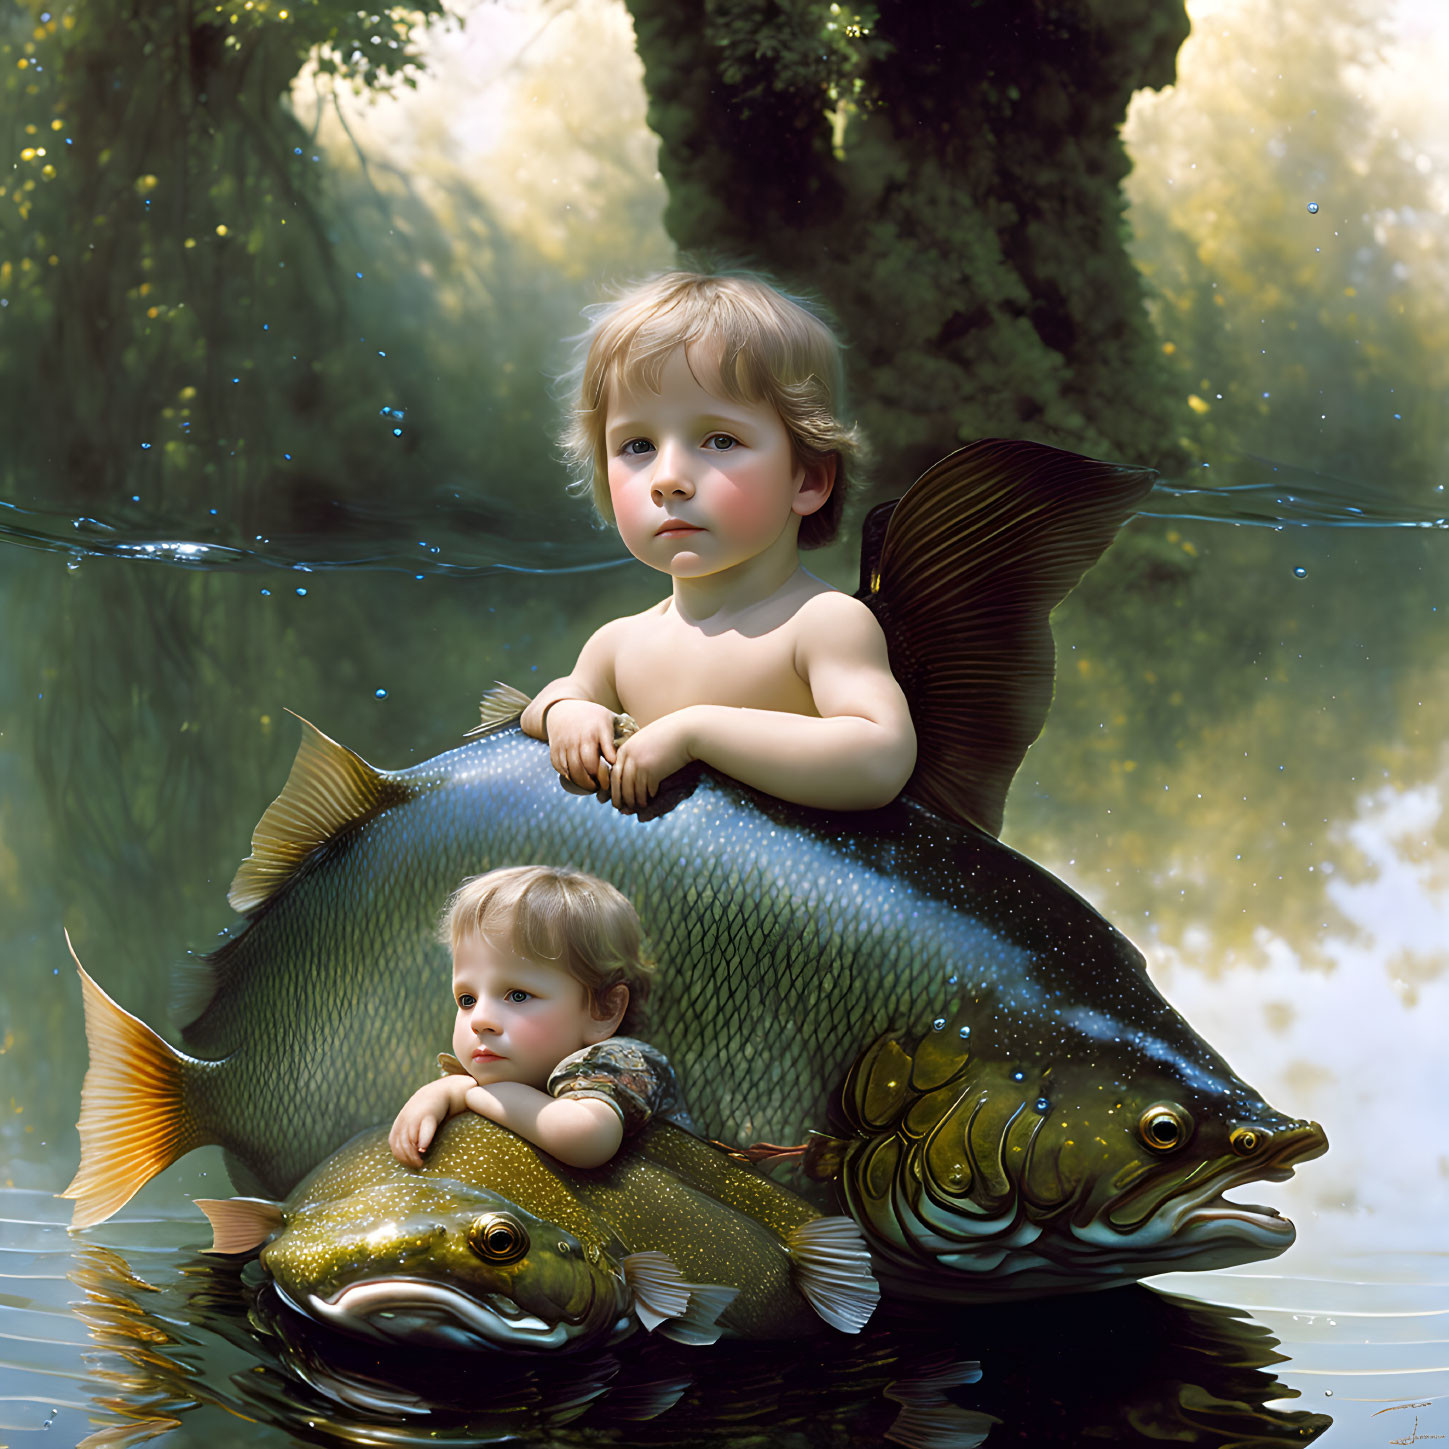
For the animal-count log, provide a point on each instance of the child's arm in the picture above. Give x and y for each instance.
(575, 714)
(856, 756)
(581, 1131)
(422, 1114)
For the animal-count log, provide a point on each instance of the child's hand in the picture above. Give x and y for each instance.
(648, 758)
(580, 733)
(413, 1129)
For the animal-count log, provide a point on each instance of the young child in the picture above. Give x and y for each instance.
(546, 968)
(707, 414)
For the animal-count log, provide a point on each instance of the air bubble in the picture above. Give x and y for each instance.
(1300, 572)
(939, 1024)
(964, 1033)
(379, 694)
(1042, 1105)
(1018, 1076)
(301, 593)
(1313, 208)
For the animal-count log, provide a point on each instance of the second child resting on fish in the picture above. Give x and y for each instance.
(707, 413)
(547, 966)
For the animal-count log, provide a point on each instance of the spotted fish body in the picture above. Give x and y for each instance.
(495, 1245)
(1032, 1116)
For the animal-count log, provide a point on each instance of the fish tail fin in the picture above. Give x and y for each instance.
(240, 1224)
(136, 1114)
(832, 1270)
(684, 1312)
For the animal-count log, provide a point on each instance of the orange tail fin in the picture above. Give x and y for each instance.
(135, 1117)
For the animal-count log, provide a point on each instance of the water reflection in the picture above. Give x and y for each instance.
(1134, 1366)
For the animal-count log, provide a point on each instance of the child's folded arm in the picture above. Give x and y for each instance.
(422, 1114)
(579, 735)
(856, 755)
(581, 1131)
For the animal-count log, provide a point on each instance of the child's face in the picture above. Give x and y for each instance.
(700, 482)
(517, 1019)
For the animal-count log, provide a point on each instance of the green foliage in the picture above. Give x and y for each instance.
(169, 262)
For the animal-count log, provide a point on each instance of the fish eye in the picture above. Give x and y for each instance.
(1164, 1126)
(1246, 1140)
(498, 1237)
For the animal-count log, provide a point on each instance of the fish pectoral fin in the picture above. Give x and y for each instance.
(684, 1312)
(657, 1288)
(700, 1324)
(240, 1224)
(329, 791)
(963, 573)
(832, 1270)
(499, 706)
(136, 1116)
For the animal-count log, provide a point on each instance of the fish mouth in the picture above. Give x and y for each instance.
(435, 1315)
(1194, 1215)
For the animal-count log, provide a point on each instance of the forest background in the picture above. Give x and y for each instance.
(289, 285)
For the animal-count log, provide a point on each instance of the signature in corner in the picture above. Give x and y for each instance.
(1414, 1436)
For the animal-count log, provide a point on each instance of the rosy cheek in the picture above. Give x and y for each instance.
(633, 510)
(747, 507)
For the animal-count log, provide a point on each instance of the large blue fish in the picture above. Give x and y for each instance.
(1018, 1110)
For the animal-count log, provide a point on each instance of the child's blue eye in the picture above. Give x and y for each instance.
(517, 997)
(465, 1001)
(636, 447)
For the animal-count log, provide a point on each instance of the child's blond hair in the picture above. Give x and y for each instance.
(562, 916)
(765, 345)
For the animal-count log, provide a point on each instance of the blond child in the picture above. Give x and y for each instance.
(547, 966)
(707, 414)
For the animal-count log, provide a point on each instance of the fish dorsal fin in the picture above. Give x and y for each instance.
(499, 706)
(973, 560)
(329, 791)
(832, 1270)
(240, 1224)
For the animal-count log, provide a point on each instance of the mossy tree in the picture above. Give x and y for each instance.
(948, 178)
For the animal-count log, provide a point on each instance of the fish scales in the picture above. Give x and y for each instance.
(803, 941)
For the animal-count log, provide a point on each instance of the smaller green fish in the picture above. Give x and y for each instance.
(494, 1244)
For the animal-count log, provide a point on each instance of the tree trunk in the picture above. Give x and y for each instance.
(946, 176)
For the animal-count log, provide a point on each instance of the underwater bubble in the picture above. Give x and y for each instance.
(73, 562)
(1300, 572)
(952, 979)
(1042, 1104)
(379, 694)
(1018, 1076)
(939, 1024)
(964, 1033)
(1313, 208)
(301, 593)
(266, 593)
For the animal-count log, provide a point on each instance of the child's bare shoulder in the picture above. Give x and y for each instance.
(827, 611)
(832, 629)
(616, 632)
